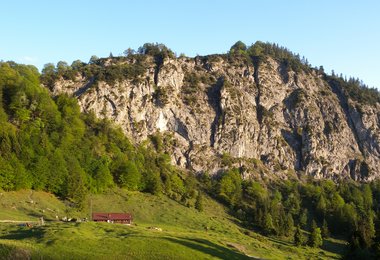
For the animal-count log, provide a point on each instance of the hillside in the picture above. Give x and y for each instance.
(183, 234)
(254, 152)
(259, 103)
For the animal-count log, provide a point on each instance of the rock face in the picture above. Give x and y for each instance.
(265, 119)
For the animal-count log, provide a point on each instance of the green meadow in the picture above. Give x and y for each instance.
(162, 229)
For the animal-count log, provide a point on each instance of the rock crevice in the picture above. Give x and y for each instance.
(270, 120)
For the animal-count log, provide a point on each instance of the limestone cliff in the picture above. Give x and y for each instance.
(265, 118)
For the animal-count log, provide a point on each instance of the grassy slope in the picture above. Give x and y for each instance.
(183, 234)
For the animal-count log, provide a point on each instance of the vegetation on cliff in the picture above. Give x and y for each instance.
(47, 144)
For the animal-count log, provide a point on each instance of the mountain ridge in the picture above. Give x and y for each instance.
(291, 117)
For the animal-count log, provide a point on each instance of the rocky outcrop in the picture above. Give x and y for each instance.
(268, 120)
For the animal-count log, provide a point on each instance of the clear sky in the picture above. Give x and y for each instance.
(340, 35)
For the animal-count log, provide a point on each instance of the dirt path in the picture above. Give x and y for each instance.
(18, 221)
(30, 196)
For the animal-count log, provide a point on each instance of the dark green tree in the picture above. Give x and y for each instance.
(321, 207)
(238, 48)
(22, 179)
(289, 225)
(94, 59)
(313, 225)
(199, 202)
(176, 183)
(76, 186)
(48, 76)
(315, 238)
(325, 229)
(40, 173)
(102, 176)
(298, 237)
(130, 177)
(303, 218)
(6, 175)
(77, 65)
(62, 67)
(58, 172)
(268, 226)
(366, 231)
(128, 52)
(153, 183)
(230, 187)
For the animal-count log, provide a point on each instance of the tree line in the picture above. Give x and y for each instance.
(354, 88)
(134, 63)
(321, 207)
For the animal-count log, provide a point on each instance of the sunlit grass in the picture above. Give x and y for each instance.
(186, 233)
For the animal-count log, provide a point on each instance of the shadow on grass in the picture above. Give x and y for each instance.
(279, 241)
(209, 248)
(328, 245)
(24, 233)
(11, 252)
(334, 247)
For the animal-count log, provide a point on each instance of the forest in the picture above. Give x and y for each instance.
(344, 209)
(47, 144)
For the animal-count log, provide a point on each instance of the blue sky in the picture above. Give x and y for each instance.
(340, 35)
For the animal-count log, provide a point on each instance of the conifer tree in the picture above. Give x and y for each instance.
(289, 224)
(199, 202)
(313, 225)
(315, 237)
(298, 237)
(268, 224)
(325, 229)
(303, 218)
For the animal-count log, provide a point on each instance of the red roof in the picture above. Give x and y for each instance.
(111, 216)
